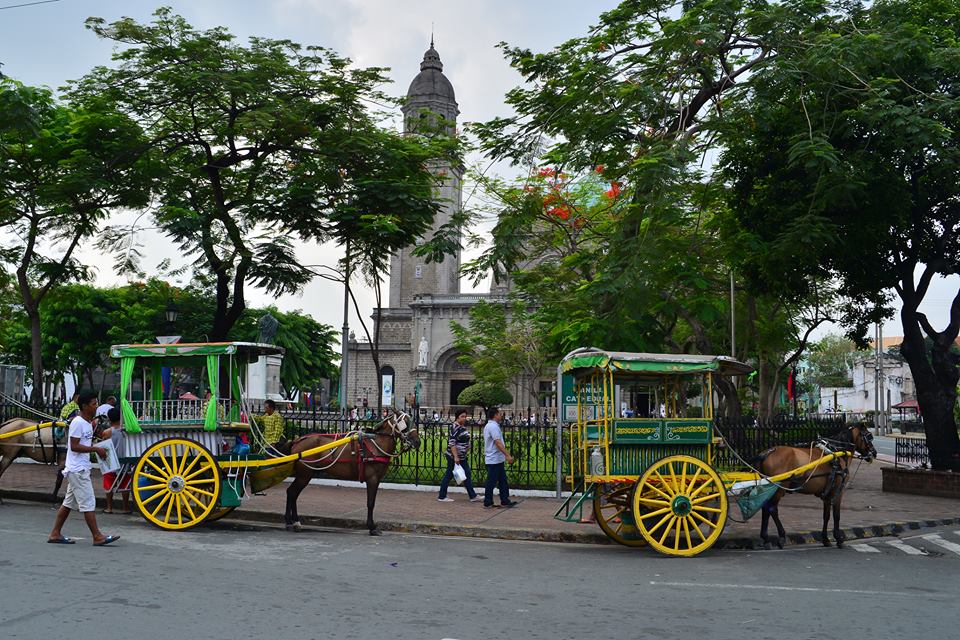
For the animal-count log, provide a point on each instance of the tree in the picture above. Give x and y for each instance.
(856, 135)
(637, 103)
(63, 167)
(501, 345)
(261, 142)
(831, 360)
(485, 394)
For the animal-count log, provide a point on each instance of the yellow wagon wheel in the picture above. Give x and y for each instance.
(613, 512)
(176, 483)
(680, 505)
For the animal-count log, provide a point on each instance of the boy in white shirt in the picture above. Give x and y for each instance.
(77, 472)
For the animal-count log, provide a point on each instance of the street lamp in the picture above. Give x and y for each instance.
(171, 312)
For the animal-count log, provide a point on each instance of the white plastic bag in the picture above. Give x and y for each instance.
(459, 474)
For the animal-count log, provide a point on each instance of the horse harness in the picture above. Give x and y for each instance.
(363, 452)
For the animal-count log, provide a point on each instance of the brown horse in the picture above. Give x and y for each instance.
(825, 481)
(37, 445)
(366, 460)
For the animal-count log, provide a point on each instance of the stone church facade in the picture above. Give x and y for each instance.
(417, 356)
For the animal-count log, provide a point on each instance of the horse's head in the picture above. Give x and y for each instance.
(401, 426)
(862, 441)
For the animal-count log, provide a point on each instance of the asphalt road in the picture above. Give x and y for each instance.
(239, 581)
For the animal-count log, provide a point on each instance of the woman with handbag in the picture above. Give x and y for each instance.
(458, 445)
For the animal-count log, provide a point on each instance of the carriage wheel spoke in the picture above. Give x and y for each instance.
(703, 520)
(664, 484)
(656, 513)
(159, 470)
(706, 483)
(150, 476)
(650, 502)
(200, 491)
(179, 509)
(693, 481)
(662, 494)
(197, 472)
(186, 503)
(166, 497)
(700, 507)
(696, 528)
(668, 517)
(702, 499)
(151, 487)
(195, 460)
(166, 464)
(666, 531)
(686, 531)
(153, 497)
(191, 483)
(166, 516)
(174, 463)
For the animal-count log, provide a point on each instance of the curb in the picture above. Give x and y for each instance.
(518, 533)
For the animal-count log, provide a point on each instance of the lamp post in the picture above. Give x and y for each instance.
(170, 314)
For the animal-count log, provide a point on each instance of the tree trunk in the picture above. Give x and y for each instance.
(36, 353)
(936, 380)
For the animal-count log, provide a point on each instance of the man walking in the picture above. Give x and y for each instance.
(77, 471)
(495, 454)
(458, 443)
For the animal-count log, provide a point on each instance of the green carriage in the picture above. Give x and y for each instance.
(641, 450)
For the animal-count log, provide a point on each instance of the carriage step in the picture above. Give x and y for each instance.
(572, 508)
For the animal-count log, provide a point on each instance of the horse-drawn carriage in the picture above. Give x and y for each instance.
(189, 461)
(194, 461)
(643, 447)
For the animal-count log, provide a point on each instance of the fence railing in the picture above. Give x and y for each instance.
(911, 451)
(747, 438)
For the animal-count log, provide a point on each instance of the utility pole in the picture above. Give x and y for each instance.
(881, 396)
(733, 320)
(345, 339)
(876, 377)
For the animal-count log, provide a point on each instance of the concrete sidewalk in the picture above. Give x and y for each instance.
(867, 512)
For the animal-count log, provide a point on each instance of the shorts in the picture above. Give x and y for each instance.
(111, 477)
(80, 492)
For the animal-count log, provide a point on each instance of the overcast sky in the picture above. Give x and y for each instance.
(47, 44)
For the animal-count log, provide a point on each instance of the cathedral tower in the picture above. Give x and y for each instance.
(431, 105)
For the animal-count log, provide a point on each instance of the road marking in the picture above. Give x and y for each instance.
(907, 549)
(940, 542)
(864, 548)
(774, 587)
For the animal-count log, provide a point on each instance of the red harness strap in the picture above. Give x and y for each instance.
(362, 455)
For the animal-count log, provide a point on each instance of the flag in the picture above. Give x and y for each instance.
(791, 383)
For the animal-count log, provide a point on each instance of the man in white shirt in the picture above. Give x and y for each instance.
(495, 454)
(108, 404)
(79, 495)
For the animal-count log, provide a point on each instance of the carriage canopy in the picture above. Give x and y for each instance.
(585, 361)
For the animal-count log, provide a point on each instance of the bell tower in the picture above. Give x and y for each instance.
(431, 108)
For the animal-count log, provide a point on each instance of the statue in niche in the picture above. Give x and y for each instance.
(423, 352)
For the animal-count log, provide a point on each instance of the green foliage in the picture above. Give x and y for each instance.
(63, 166)
(501, 344)
(830, 361)
(485, 394)
(259, 142)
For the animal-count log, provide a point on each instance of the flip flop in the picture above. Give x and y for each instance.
(105, 511)
(106, 541)
(62, 540)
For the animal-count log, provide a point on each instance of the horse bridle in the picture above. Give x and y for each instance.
(398, 432)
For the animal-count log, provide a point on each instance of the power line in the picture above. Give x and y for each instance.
(28, 4)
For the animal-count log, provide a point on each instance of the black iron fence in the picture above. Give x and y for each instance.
(746, 438)
(10, 411)
(529, 436)
(911, 452)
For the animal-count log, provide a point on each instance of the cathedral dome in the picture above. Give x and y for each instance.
(430, 83)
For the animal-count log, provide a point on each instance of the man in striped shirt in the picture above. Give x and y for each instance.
(458, 445)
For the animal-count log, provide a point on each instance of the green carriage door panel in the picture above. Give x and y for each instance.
(687, 431)
(642, 431)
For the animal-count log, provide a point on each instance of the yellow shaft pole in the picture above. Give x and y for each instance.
(290, 458)
(807, 467)
(42, 425)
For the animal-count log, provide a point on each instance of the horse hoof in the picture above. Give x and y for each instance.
(826, 543)
(296, 527)
(839, 544)
(767, 546)
(375, 532)
(781, 542)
